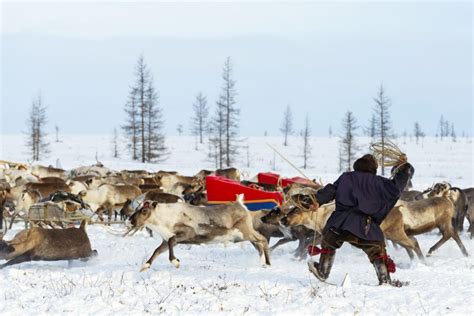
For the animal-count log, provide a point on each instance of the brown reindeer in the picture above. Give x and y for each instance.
(301, 233)
(47, 244)
(458, 198)
(181, 223)
(28, 198)
(418, 217)
(230, 173)
(156, 196)
(108, 197)
(43, 171)
(46, 189)
(400, 225)
(52, 180)
(149, 187)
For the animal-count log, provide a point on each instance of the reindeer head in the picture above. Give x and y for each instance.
(274, 216)
(139, 218)
(127, 208)
(439, 189)
(192, 191)
(294, 218)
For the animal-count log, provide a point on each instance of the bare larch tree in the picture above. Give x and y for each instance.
(442, 128)
(115, 141)
(305, 135)
(131, 124)
(287, 124)
(56, 129)
(36, 135)
(144, 121)
(217, 131)
(155, 149)
(347, 142)
(199, 120)
(417, 132)
(226, 120)
(453, 133)
(370, 130)
(383, 125)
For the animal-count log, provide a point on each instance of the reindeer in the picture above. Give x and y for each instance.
(170, 182)
(459, 200)
(230, 173)
(469, 192)
(27, 199)
(314, 220)
(42, 171)
(109, 197)
(301, 233)
(47, 244)
(52, 180)
(400, 225)
(156, 196)
(181, 223)
(46, 189)
(418, 217)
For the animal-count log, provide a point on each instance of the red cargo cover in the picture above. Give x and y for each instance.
(221, 190)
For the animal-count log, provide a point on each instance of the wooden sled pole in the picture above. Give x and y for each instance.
(289, 162)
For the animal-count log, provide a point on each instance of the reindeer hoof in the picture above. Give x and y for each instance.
(175, 262)
(145, 267)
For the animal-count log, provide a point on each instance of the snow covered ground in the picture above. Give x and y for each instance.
(228, 279)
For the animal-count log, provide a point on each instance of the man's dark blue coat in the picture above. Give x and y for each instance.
(363, 200)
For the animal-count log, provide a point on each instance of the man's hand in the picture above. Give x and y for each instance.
(314, 207)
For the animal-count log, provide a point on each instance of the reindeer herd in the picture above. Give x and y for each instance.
(175, 207)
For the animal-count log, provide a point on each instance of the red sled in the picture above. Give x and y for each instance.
(273, 178)
(221, 190)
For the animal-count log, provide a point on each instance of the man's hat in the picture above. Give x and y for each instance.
(366, 163)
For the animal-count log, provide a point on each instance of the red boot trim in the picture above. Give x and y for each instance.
(391, 266)
(314, 250)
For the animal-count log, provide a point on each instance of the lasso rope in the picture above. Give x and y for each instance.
(387, 153)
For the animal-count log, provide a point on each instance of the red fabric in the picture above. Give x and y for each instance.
(301, 180)
(220, 189)
(272, 178)
(391, 266)
(314, 250)
(268, 178)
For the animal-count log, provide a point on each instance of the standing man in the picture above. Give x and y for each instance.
(363, 200)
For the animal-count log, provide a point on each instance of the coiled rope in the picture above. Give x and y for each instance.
(388, 154)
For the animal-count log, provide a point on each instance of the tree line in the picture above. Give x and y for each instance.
(218, 126)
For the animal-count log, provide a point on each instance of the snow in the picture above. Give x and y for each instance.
(229, 279)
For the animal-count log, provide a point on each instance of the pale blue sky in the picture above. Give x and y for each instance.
(322, 58)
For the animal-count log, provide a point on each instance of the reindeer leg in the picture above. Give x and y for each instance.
(262, 246)
(410, 245)
(438, 244)
(12, 220)
(172, 258)
(161, 248)
(417, 248)
(460, 244)
(280, 242)
(150, 232)
(21, 258)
